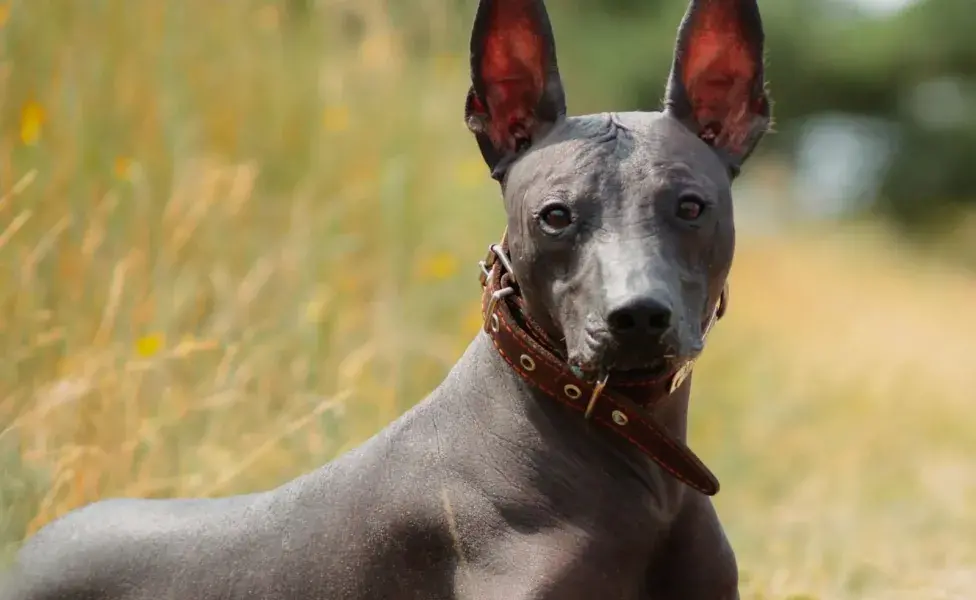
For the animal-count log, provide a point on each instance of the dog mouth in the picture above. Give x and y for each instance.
(655, 367)
(598, 355)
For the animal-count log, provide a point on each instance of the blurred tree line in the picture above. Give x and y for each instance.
(912, 71)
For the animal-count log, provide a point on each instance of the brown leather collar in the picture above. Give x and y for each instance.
(607, 404)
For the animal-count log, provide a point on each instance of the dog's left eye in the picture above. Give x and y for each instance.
(556, 217)
(690, 207)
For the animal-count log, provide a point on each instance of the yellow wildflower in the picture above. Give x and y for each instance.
(150, 345)
(31, 120)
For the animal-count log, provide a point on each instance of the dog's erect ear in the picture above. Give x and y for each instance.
(716, 85)
(515, 91)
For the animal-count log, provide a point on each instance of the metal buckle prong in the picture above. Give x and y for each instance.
(486, 264)
(495, 297)
(503, 259)
(681, 375)
(485, 272)
(597, 391)
(495, 254)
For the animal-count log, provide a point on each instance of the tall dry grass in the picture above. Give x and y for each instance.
(235, 242)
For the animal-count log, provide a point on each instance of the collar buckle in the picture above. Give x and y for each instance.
(497, 254)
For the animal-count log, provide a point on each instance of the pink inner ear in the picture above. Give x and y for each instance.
(513, 69)
(719, 74)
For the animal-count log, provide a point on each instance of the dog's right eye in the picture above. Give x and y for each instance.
(690, 207)
(555, 218)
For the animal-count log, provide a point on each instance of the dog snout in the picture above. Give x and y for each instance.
(640, 317)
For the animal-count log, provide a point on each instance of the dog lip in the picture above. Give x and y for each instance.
(598, 353)
(590, 353)
(587, 360)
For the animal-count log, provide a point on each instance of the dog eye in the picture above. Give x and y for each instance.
(556, 217)
(690, 207)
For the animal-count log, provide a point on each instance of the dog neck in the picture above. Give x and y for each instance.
(508, 409)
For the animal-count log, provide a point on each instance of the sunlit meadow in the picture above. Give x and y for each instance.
(236, 241)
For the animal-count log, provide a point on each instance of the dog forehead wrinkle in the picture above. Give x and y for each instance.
(661, 139)
(574, 156)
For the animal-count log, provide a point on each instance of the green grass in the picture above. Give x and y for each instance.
(233, 246)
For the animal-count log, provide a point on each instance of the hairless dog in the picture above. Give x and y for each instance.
(551, 461)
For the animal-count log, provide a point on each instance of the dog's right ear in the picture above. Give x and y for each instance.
(716, 86)
(516, 93)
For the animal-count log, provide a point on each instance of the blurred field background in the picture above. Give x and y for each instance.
(238, 238)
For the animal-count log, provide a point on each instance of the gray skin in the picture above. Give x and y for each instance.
(487, 489)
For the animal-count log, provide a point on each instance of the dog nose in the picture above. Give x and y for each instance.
(644, 316)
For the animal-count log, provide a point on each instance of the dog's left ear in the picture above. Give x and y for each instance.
(516, 93)
(716, 85)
